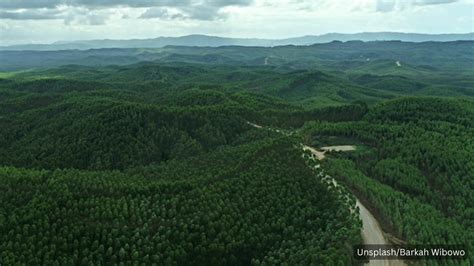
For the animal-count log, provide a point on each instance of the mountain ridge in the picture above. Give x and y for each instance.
(201, 40)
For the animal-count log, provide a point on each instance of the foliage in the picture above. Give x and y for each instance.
(253, 204)
(421, 163)
(195, 158)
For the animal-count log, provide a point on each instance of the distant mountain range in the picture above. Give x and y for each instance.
(379, 56)
(214, 41)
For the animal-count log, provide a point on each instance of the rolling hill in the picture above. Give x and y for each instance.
(214, 41)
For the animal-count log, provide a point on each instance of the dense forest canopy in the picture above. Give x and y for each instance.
(192, 155)
(418, 163)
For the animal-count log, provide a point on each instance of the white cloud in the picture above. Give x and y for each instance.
(33, 14)
(433, 2)
(23, 21)
(399, 5)
(163, 9)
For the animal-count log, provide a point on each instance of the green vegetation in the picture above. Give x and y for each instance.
(418, 171)
(253, 204)
(164, 162)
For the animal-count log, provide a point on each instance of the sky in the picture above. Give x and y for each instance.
(48, 21)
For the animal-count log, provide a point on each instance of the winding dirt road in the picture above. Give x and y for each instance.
(371, 231)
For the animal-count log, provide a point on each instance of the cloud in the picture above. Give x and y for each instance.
(260, 19)
(93, 20)
(128, 3)
(203, 13)
(158, 12)
(196, 13)
(202, 10)
(69, 16)
(433, 2)
(26, 4)
(384, 5)
(399, 5)
(84, 16)
(34, 14)
(155, 13)
(162, 9)
(157, 3)
(223, 3)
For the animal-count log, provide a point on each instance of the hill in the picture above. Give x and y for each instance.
(426, 56)
(214, 41)
(254, 204)
(194, 156)
(415, 167)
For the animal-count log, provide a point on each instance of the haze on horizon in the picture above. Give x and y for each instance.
(32, 21)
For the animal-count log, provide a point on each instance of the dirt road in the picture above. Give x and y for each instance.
(371, 231)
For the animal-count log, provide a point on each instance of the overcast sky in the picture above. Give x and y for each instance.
(46, 21)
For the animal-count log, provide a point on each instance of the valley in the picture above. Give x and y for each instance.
(182, 155)
(372, 233)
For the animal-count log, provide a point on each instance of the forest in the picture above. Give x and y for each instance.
(194, 157)
(416, 169)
